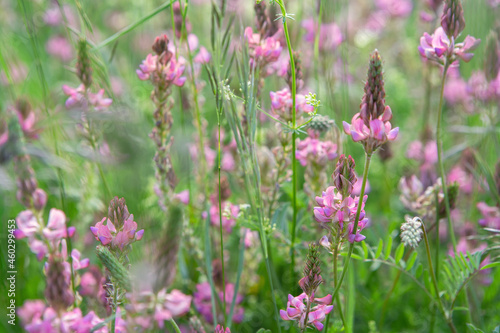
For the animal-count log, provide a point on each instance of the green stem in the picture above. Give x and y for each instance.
(294, 138)
(220, 219)
(174, 324)
(335, 281)
(368, 157)
(439, 138)
(316, 47)
(434, 282)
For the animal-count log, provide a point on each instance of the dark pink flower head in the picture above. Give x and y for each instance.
(262, 51)
(371, 126)
(296, 310)
(438, 47)
(338, 213)
(282, 104)
(220, 329)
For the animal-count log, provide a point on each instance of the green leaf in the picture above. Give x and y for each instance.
(380, 247)
(411, 261)
(400, 251)
(493, 264)
(262, 330)
(419, 271)
(388, 247)
(365, 249)
(353, 255)
(473, 328)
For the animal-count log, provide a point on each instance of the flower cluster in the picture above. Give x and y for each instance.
(441, 47)
(491, 216)
(118, 230)
(311, 150)
(230, 213)
(37, 317)
(330, 36)
(148, 308)
(262, 50)
(337, 207)
(282, 104)
(307, 310)
(371, 126)
(202, 302)
(220, 329)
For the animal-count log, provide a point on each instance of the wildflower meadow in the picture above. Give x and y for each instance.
(250, 166)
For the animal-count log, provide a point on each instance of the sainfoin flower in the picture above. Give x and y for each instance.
(163, 67)
(282, 104)
(313, 150)
(337, 207)
(262, 51)
(118, 229)
(372, 126)
(202, 302)
(438, 47)
(220, 329)
(491, 215)
(296, 309)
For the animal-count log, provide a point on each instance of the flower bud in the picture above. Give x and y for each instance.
(39, 199)
(411, 231)
(491, 61)
(344, 175)
(83, 68)
(58, 291)
(452, 20)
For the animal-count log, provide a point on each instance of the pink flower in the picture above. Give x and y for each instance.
(282, 103)
(159, 71)
(203, 57)
(339, 213)
(312, 150)
(220, 329)
(491, 216)
(397, 8)
(330, 36)
(183, 197)
(108, 234)
(203, 297)
(98, 100)
(60, 48)
(31, 311)
(229, 215)
(463, 178)
(262, 52)
(438, 47)
(372, 133)
(297, 310)
(27, 225)
(56, 226)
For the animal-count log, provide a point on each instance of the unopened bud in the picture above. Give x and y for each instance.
(411, 231)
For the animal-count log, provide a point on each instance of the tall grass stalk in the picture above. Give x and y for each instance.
(294, 138)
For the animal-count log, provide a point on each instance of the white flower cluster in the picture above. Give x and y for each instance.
(411, 231)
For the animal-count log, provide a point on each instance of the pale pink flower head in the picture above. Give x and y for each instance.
(464, 179)
(282, 104)
(32, 310)
(330, 36)
(438, 47)
(56, 226)
(313, 151)
(202, 302)
(229, 215)
(106, 233)
(163, 68)
(60, 48)
(491, 216)
(262, 51)
(396, 8)
(296, 310)
(27, 225)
